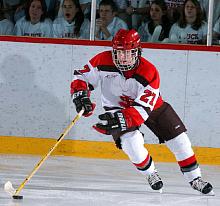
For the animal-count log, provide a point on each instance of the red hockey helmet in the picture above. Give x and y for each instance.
(126, 49)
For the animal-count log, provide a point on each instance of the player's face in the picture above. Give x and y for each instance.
(190, 10)
(126, 57)
(156, 13)
(106, 13)
(35, 11)
(69, 10)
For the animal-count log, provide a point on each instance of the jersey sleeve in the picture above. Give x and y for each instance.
(148, 98)
(57, 28)
(48, 29)
(174, 33)
(9, 27)
(18, 28)
(85, 29)
(86, 78)
(204, 30)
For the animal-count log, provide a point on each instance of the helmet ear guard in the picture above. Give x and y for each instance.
(126, 49)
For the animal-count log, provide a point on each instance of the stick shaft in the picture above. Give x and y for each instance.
(38, 165)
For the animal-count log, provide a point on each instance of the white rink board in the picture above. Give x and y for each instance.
(35, 81)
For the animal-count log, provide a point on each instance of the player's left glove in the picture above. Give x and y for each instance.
(116, 123)
(82, 101)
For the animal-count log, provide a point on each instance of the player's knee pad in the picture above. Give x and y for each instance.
(117, 137)
(180, 146)
(133, 145)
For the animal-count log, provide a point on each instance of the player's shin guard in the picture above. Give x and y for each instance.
(133, 146)
(182, 149)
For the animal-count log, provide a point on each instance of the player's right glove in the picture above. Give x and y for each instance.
(82, 101)
(115, 123)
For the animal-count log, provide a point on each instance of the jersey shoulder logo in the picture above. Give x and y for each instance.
(85, 69)
(110, 76)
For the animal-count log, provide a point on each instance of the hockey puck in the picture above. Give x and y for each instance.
(17, 197)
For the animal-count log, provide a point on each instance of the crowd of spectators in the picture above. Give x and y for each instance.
(167, 21)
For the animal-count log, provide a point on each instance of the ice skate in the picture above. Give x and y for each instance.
(202, 186)
(155, 181)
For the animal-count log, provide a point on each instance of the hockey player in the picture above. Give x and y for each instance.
(130, 96)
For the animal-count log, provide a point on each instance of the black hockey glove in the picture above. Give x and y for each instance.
(81, 100)
(116, 123)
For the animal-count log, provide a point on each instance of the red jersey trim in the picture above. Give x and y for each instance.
(133, 117)
(78, 85)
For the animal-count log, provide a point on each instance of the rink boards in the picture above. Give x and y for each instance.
(35, 104)
(97, 149)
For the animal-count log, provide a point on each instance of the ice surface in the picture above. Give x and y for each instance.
(71, 181)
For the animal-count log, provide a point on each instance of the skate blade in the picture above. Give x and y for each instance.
(210, 193)
(160, 191)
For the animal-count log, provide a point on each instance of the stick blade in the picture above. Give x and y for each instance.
(8, 187)
(17, 197)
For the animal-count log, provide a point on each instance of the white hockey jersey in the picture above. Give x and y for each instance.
(136, 92)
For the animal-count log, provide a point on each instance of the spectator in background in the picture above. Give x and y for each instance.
(108, 24)
(86, 7)
(52, 6)
(72, 23)
(122, 5)
(11, 6)
(216, 32)
(6, 26)
(51, 9)
(190, 29)
(174, 9)
(158, 27)
(205, 7)
(136, 9)
(20, 10)
(34, 23)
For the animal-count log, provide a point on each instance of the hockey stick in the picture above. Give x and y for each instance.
(8, 187)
